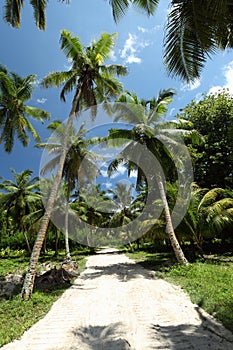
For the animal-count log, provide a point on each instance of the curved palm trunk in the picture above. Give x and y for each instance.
(171, 233)
(31, 273)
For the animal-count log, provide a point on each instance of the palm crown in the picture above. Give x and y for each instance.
(97, 81)
(14, 92)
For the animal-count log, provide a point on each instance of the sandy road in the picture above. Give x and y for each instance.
(118, 305)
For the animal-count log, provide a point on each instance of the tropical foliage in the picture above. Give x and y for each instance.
(19, 199)
(14, 93)
(194, 29)
(212, 117)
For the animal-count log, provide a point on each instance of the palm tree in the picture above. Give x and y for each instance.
(145, 116)
(19, 198)
(72, 173)
(14, 113)
(209, 213)
(92, 82)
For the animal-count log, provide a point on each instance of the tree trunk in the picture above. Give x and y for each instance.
(27, 242)
(68, 257)
(170, 231)
(56, 243)
(28, 285)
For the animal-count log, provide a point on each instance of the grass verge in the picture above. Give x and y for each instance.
(209, 283)
(17, 316)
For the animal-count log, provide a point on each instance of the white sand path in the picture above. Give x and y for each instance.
(116, 305)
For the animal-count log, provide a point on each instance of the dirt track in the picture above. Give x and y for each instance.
(118, 305)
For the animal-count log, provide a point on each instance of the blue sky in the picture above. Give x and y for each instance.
(139, 46)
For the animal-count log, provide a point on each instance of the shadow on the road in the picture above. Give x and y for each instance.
(103, 337)
(208, 335)
(123, 271)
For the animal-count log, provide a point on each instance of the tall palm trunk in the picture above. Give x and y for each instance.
(170, 230)
(31, 273)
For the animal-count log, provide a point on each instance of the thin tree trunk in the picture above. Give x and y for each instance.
(170, 231)
(28, 285)
(68, 257)
(27, 242)
(56, 243)
(45, 246)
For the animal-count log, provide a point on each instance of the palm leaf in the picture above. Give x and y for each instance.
(37, 113)
(103, 47)
(114, 69)
(70, 85)
(6, 85)
(55, 79)
(39, 7)
(119, 8)
(149, 6)
(71, 45)
(25, 86)
(28, 126)
(12, 13)
(110, 86)
(183, 54)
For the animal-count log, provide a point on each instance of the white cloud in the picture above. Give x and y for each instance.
(148, 30)
(228, 76)
(132, 46)
(41, 100)
(113, 56)
(121, 169)
(133, 59)
(172, 111)
(108, 185)
(133, 173)
(143, 30)
(192, 86)
(104, 173)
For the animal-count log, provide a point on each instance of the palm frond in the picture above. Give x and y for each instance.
(70, 85)
(6, 85)
(119, 8)
(12, 13)
(25, 86)
(183, 54)
(39, 7)
(149, 6)
(37, 113)
(71, 45)
(102, 48)
(111, 87)
(55, 79)
(114, 69)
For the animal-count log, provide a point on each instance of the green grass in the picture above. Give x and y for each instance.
(209, 284)
(17, 316)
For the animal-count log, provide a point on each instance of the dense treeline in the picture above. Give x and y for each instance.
(209, 217)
